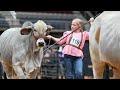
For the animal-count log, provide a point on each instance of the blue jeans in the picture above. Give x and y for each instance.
(74, 67)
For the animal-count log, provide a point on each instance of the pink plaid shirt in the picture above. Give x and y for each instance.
(72, 50)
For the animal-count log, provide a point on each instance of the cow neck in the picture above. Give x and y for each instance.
(36, 48)
(32, 41)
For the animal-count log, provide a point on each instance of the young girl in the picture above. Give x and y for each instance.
(73, 54)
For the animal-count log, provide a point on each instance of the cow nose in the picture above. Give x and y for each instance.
(41, 44)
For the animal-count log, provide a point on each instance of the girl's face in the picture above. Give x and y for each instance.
(75, 25)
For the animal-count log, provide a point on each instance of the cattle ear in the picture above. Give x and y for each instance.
(25, 31)
(49, 28)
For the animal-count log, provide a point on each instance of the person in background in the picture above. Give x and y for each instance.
(74, 43)
(1, 71)
(61, 62)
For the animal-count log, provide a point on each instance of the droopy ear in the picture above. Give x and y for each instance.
(49, 28)
(26, 31)
(26, 28)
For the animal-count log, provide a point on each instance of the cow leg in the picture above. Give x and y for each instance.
(9, 73)
(33, 74)
(8, 70)
(98, 70)
(17, 66)
(98, 65)
(39, 75)
(19, 71)
(116, 73)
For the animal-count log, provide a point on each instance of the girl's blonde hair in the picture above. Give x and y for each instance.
(79, 22)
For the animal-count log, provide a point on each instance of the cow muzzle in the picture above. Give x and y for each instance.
(40, 42)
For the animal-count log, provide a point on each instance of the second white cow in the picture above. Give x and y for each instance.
(105, 43)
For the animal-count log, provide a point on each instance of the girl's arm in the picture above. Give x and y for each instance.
(58, 39)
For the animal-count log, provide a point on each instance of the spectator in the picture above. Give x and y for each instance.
(61, 63)
(53, 54)
(47, 55)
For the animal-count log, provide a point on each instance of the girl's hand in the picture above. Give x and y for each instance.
(91, 20)
(49, 37)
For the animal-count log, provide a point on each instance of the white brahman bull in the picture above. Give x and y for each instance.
(21, 49)
(105, 43)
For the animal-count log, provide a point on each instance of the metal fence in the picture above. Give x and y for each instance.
(58, 21)
(53, 69)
